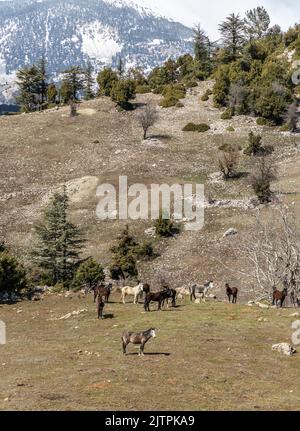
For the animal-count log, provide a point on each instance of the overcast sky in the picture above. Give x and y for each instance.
(210, 13)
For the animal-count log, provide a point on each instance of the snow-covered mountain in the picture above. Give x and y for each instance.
(71, 32)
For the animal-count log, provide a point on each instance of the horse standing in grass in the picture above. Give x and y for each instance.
(171, 294)
(201, 290)
(140, 339)
(159, 297)
(279, 297)
(103, 290)
(100, 307)
(136, 292)
(232, 292)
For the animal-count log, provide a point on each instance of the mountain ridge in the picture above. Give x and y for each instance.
(73, 32)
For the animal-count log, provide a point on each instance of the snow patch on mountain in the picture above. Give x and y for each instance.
(99, 42)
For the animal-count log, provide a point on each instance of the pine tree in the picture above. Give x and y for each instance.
(52, 93)
(43, 85)
(73, 82)
(232, 31)
(125, 254)
(105, 79)
(257, 22)
(59, 241)
(202, 48)
(88, 82)
(28, 83)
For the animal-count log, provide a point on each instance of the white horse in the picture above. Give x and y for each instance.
(132, 291)
(201, 291)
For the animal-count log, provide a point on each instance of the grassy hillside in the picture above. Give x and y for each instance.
(41, 151)
(212, 356)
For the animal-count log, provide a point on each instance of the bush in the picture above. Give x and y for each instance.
(12, 275)
(227, 114)
(89, 274)
(228, 162)
(254, 146)
(159, 89)
(165, 227)
(190, 84)
(206, 95)
(146, 251)
(192, 127)
(168, 102)
(143, 89)
(179, 105)
(262, 121)
(263, 173)
(177, 91)
(285, 128)
(123, 91)
(230, 129)
(203, 128)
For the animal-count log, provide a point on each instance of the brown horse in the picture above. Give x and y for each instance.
(102, 290)
(159, 297)
(140, 339)
(100, 307)
(232, 292)
(279, 297)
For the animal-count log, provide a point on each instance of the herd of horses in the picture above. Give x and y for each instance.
(103, 291)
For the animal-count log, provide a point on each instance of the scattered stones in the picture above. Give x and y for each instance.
(73, 313)
(230, 232)
(294, 315)
(284, 348)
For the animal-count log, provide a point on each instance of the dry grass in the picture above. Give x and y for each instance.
(206, 357)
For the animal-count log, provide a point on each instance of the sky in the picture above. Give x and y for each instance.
(210, 13)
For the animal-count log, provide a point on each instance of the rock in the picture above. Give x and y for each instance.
(284, 348)
(294, 315)
(151, 232)
(261, 305)
(262, 319)
(230, 232)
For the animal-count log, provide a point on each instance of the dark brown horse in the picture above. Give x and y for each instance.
(159, 297)
(279, 297)
(100, 307)
(102, 290)
(232, 292)
(140, 339)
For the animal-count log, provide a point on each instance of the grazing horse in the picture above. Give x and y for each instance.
(279, 297)
(136, 292)
(202, 291)
(100, 307)
(140, 339)
(232, 292)
(159, 297)
(103, 290)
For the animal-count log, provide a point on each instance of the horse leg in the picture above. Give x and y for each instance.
(142, 349)
(123, 298)
(124, 345)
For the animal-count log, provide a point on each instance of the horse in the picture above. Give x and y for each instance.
(102, 290)
(132, 291)
(140, 339)
(203, 290)
(231, 292)
(279, 297)
(100, 307)
(159, 297)
(171, 294)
